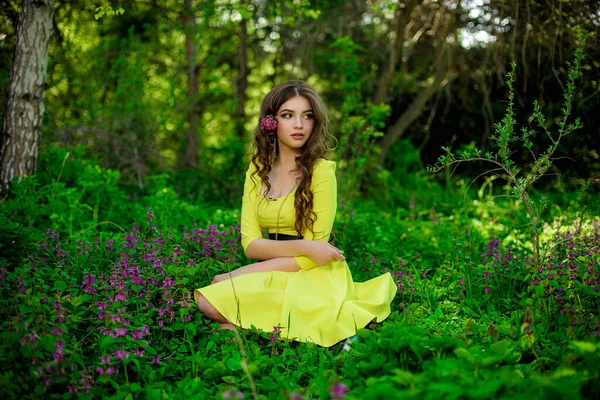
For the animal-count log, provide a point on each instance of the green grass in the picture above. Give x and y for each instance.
(89, 271)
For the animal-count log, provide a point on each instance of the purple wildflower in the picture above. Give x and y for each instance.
(338, 391)
(120, 354)
(139, 353)
(105, 360)
(232, 394)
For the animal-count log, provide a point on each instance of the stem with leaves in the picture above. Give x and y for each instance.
(522, 179)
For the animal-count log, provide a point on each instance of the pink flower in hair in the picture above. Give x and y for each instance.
(268, 125)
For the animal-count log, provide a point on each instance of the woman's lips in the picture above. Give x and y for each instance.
(298, 136)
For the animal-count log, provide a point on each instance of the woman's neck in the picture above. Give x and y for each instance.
(286, 159)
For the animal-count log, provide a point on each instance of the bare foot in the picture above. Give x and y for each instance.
(228, 326)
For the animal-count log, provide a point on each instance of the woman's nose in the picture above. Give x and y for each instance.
(299, 122)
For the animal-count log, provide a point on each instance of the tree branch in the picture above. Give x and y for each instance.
(396, 131)
(388, 70)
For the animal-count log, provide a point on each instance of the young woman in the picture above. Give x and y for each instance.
(302, 288)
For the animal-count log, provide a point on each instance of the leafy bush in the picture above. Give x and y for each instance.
(109, 313)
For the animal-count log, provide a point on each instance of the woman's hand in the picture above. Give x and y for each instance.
(221, 278)
(323, 252)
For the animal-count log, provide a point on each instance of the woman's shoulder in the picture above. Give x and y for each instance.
(251, 173)
(252, 168)
(324, 165)
(323, 170)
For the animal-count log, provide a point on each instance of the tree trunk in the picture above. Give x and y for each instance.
(25, 100)
(242, 81)
(396, 131)
(192, 145)
(441, 78)
(389, 69)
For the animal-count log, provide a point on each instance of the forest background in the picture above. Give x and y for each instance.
(150, 108)
(175, 86)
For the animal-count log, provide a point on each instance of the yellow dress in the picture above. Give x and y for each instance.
(318, 303)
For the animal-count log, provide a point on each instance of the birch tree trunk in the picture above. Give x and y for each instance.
(25, 100)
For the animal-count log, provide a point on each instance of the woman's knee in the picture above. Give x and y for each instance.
(208, 309)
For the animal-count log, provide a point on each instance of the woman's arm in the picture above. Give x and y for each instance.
(319, 252)
(266, 249)
(285, 264)
(324, 188)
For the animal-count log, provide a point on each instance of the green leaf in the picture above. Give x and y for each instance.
(135, 387)
(177, 326)
(512, 357)
(76, 301)
(539, 291)
(562, 372)
(60, 286)
(234, 364)
(583, 347)
(501, 347)
(491, 360)
(464, 354)
(106, 341)
(211, 345)
(191, 328)
(46, 343)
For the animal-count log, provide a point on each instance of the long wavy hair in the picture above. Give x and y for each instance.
(266, 149)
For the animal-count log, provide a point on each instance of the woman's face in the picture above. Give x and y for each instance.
(295, 123)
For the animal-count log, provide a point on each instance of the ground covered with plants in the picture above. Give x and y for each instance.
(97, 284)
(135, 201)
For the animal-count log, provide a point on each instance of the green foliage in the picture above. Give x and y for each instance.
(522, 179)
(109, 312)
(91, 268)
(107, 10)
(361, 122)
(75, 197)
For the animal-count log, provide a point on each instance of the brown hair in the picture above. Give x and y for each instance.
(315, 147)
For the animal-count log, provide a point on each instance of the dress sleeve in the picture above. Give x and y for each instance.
(324, 188)
(250, 228)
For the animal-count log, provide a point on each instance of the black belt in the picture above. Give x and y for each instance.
(281, 236)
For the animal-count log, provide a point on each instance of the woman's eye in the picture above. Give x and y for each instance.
(286, 115)
(308, 116)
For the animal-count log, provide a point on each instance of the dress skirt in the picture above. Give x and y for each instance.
(322, 305)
